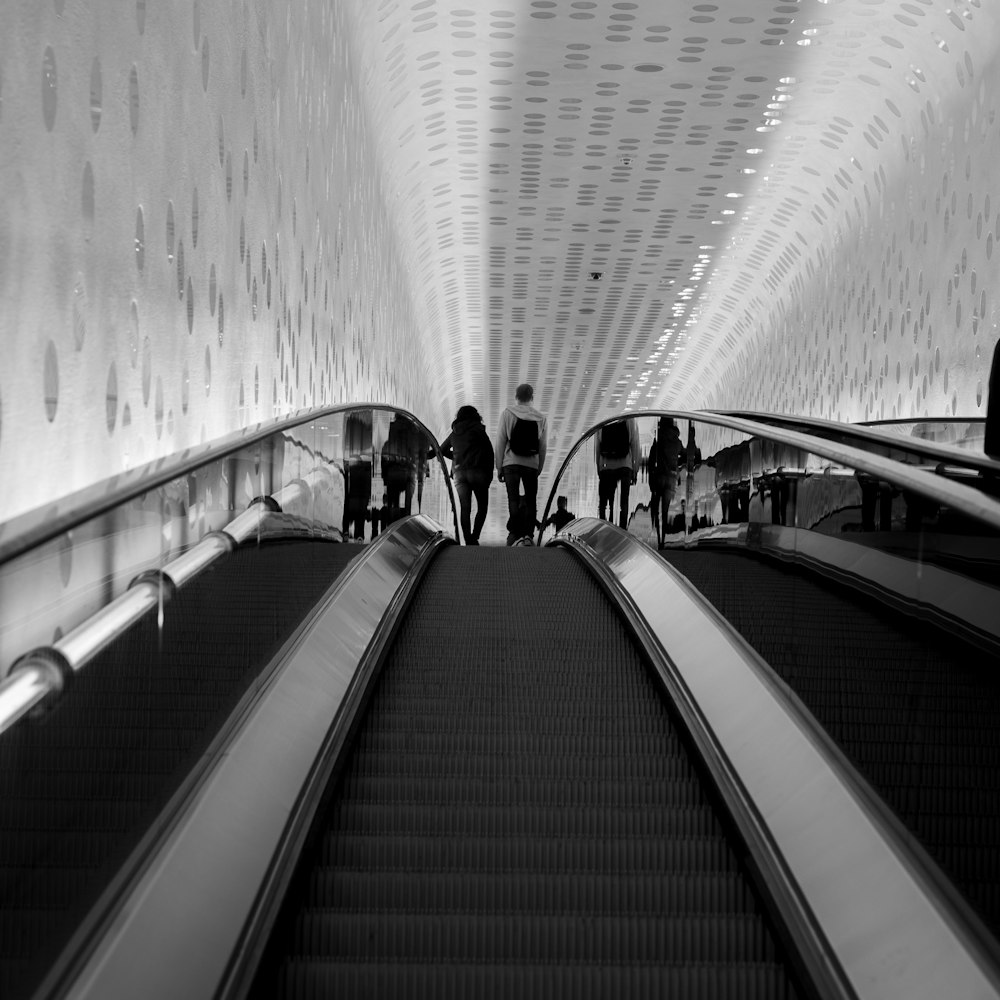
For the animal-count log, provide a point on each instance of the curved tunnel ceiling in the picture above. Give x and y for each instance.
(701, 158)
(222, 212)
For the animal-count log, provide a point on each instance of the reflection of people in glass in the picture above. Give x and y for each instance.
(379, 517)
(679, 525)
(662, 468)
(561, 517)
(617, 452)
(471, 451)
(692, 453)
(400, 455)
(357, 472)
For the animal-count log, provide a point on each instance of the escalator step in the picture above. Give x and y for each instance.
(513, 791)
(415, 852)
(445, 890)
(541, 821)
(321, 979)
(532, 937)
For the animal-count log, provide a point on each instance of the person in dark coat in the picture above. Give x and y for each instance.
(471, 451)
(661, 466)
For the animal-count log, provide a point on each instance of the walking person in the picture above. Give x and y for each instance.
(471, 451)
(616, 450)
(520, 454)
(661, 466)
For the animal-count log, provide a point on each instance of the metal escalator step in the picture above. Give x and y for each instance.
(583, 981)
(538, 821)
(610, 766)
(417, 737)
(511, 892)
(515, 792)
(532, 937)
(414, 852)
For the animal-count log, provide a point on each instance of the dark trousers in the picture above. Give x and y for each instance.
(467, 486)
(514, 476)
(607, 483)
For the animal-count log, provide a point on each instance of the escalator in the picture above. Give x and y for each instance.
(519, 813)
(913, 706)
(416, 769)
(83, 780)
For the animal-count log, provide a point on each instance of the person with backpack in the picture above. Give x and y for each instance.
(616, 449)
(662, 464)
(471, 451)
(520, 453)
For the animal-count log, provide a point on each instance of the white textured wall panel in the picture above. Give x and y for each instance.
(860, 282)
(193, 234)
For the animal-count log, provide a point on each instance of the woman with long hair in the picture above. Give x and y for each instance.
(471, 451)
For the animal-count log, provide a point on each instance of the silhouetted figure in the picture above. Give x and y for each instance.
(991, 443)
(561, 517)
(521, 525)
(662, 469)
(471, 451)
(617, 453)
(679, 524)
(520, 451)
(379, 517)
(401, 454)
(357, 472)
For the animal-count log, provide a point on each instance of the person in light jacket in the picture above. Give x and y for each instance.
(520, 452)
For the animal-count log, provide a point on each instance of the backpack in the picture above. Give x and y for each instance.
(615, 440)
(523, 438)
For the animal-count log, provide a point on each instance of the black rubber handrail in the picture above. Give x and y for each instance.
(870, 437)
(964, 499)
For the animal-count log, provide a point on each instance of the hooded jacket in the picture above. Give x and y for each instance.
(504, 456)
(469, 447)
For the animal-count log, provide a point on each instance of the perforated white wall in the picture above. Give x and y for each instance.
(861, 280)
(193, 235)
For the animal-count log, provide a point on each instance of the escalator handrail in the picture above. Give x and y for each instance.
(963, 499)
(44, 672)
(864, 436)
(867, 909)
(33, 528)
(186, 914)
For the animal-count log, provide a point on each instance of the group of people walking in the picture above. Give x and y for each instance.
(517, 455)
